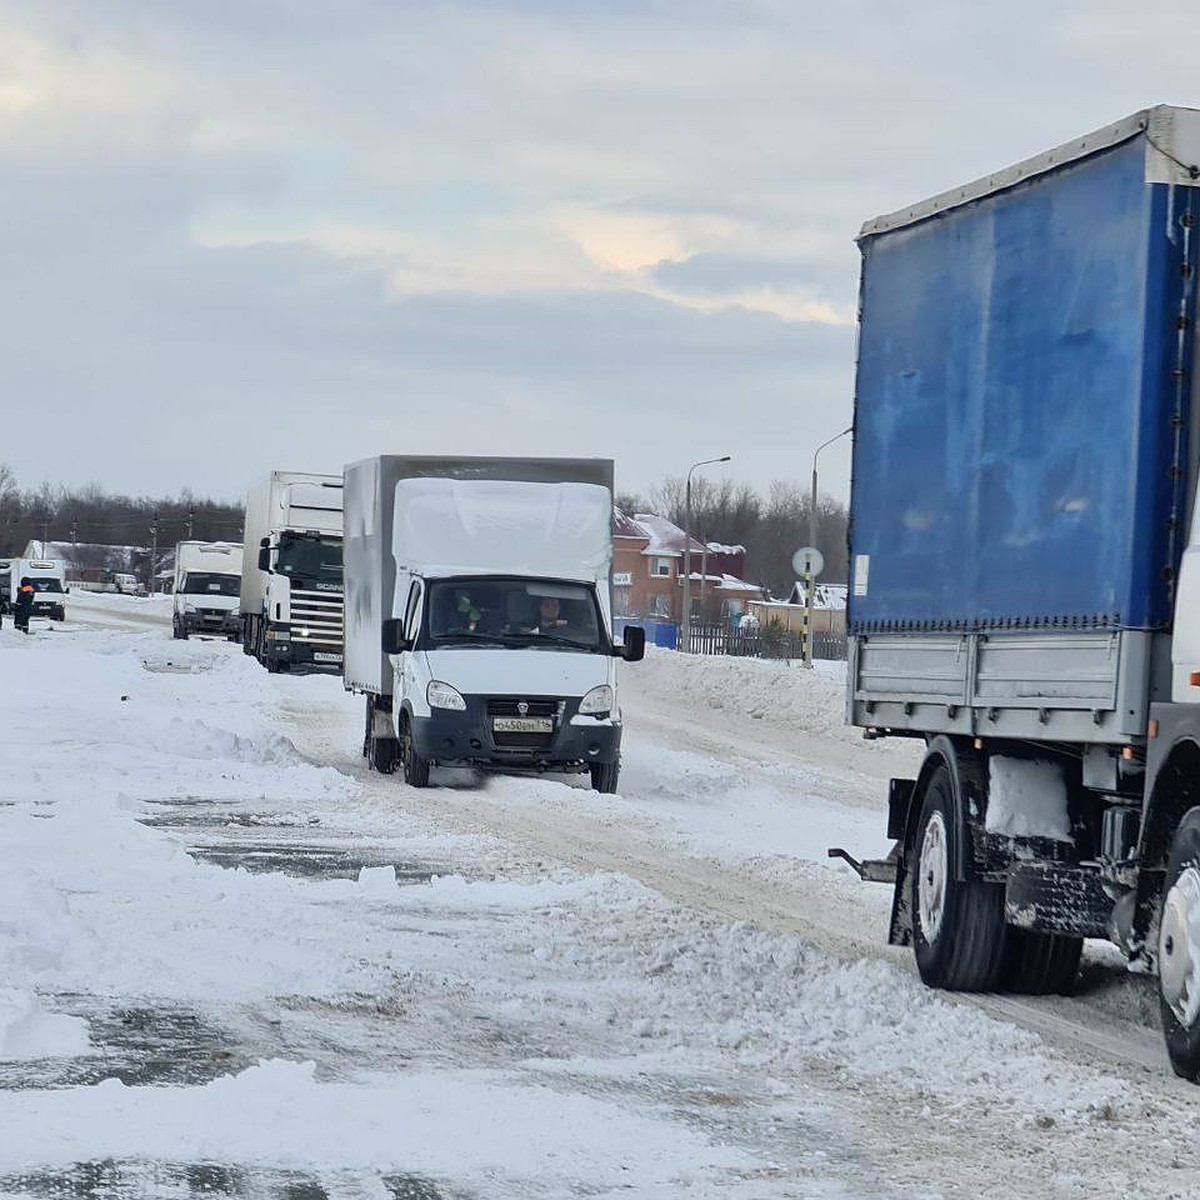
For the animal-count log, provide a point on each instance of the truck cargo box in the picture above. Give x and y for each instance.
(1021, 408)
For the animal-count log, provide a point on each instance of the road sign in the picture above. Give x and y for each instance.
(806, 557)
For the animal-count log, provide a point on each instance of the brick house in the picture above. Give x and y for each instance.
(648, 556)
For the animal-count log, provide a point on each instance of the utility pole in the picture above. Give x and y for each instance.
(190, 520)
(687, 550)
(45, 534)
(74, 532)
(810, 576)
(153, 553)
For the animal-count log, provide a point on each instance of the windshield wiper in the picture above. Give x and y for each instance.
(470, 635)
(559, 639)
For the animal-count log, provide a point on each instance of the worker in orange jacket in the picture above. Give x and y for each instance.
(23, 605)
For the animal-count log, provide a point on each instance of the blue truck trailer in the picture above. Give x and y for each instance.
(1025, 588)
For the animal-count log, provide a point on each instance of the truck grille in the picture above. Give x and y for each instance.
(317, 618)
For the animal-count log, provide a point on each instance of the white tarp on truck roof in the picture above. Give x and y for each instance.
(503, 526)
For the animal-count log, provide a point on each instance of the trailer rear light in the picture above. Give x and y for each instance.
(1194, 679)
(1152, 729)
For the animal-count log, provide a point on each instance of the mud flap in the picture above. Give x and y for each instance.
(1057, 898)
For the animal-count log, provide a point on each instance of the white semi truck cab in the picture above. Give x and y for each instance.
(479, 615)
(291, 591)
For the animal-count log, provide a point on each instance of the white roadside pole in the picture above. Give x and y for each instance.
(814, 562)
(687, 549)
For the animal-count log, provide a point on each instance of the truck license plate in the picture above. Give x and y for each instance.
(325, 656)
(522, 725)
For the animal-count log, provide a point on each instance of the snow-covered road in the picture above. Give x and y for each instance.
(232, 962)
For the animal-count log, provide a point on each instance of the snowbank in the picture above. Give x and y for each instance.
(783, 693)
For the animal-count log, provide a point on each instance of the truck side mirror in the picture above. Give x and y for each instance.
(264, 559)
(394, 641)
(634, 649)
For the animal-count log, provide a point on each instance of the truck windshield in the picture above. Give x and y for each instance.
(312, 560)
(521, 613)
(210, 583)
(46, 585)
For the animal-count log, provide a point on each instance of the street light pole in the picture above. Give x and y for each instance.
(687, 549)
(809, 577)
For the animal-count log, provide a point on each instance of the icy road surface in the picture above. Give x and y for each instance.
(233, 963)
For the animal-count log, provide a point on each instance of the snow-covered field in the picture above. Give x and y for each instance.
(232, 962)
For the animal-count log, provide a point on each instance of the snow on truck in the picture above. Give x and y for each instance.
(291, 591)
(479, 616)
(206, 589)
(1026, 565)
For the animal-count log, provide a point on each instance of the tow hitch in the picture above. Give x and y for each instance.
(870, 870)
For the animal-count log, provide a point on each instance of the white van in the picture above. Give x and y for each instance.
(478, 614)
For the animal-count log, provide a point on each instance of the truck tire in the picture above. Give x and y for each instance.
(605, 776)
(959, 935)
(1040, 964)
(416, 768)
(1178, 952)
(382, 754)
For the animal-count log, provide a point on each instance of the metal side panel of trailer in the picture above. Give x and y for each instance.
(1080, 686)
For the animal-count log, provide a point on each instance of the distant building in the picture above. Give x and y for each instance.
(648, 562)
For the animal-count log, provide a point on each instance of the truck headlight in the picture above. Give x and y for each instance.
(598, 702)
(442, 695)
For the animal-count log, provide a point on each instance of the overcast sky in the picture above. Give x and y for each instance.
(241, 235)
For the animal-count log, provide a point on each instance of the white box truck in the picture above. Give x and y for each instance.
(206, 590)
(291, 593)
(49, 579)
(478, 614)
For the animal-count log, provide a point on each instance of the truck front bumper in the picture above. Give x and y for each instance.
(214, 621)
(299, 657)
(469, 738)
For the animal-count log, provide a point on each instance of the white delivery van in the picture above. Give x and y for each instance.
(49, 579)
(207, 587)
(478, 614)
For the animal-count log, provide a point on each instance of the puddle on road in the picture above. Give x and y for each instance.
(277, 849)
(306, 861)
(121, 1179)
(166, 1044)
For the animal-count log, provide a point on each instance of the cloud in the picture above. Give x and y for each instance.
(244, 234)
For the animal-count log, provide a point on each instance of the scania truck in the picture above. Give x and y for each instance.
(1025, 549)
(207, 585)
(291, 590)
(479, 615)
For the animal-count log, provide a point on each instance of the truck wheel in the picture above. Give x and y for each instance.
(416, 768)
(1040, 964)
(1179, 949)
(605, 775)
(959, 935)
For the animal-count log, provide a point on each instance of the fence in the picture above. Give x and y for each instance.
(763, 643)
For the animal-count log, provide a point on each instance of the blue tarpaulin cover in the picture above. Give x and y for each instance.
(1015, 445)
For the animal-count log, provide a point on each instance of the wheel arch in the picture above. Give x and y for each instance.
(967, 784)
(1175, 790)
